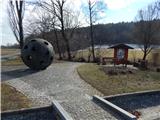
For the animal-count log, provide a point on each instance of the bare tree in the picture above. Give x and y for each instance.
(16, 10)
(64, 21)
(94, 9)
(44, 25)
(58, 6)
(157, 5)
(147, 28)
(91, 6)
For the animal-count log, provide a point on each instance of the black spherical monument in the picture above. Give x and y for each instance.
(37, 54)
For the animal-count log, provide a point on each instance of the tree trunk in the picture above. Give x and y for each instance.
(20, 24)
(21, 36)
(58, 48)
(144, 55)
(67, 43)
(91, 32)
(92, 42)
(68, 48)
(64, 35)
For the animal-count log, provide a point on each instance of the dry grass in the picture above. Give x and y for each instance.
(133, 54)
(13, 62)
(6, 51)
(18, 61)
(109, 85)
(11, 99)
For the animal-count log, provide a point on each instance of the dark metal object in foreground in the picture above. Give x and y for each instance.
(37, 54)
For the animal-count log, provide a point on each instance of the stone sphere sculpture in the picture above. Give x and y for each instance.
(37, 54)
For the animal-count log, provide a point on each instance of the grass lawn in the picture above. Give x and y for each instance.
(11, 99)
(109, 85)
(13, 62)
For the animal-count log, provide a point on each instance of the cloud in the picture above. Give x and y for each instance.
(120, 4)
(6, 34)
(117, 4)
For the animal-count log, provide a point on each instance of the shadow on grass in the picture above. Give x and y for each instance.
(12, 74)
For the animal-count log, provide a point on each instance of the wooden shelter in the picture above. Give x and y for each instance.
(120, 53)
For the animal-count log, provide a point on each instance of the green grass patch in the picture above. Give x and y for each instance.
(117, 84)
(11, 99)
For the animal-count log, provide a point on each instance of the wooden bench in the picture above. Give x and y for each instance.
(106, 59)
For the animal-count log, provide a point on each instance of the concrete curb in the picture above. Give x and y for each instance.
(114, 108)
(25, 110)
(133, 94)
(60, 112)
(55, 110)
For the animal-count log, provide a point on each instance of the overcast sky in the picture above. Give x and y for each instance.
(116, 11)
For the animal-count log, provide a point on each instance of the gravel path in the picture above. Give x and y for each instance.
(61, 82)
(150, 113)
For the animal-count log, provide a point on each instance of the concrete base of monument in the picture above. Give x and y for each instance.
(139, 105)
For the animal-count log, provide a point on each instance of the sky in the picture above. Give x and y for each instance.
(115, 11)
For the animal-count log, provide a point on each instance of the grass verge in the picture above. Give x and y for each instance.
(109, 85)
(11, 99)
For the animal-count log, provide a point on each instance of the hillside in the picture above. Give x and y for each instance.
(104, 34)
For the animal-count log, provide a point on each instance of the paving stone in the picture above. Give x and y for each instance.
(61, 82)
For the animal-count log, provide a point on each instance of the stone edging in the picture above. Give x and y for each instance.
(59, 110)
(114, 108)
(55, 110)
(25, 110)
(134, 94)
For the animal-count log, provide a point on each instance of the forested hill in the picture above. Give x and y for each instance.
(107, 34)
(112, 33)
(104, 34)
